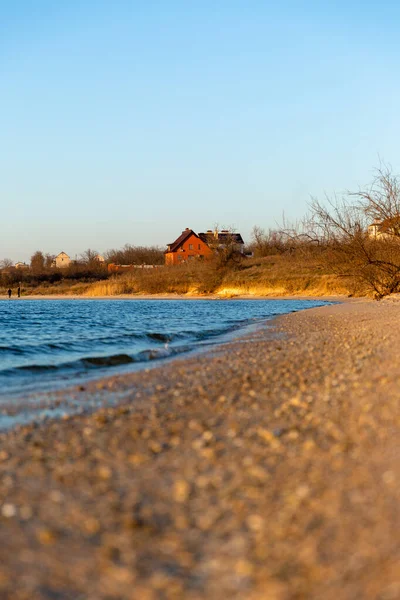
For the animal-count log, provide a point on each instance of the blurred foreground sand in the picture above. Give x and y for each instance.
(267, 469)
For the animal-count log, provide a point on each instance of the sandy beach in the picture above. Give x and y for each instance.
(267, 469)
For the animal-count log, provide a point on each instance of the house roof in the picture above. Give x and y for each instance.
(223, 236)
(180, 240)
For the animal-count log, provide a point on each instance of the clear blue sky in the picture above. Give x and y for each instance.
(125, 122)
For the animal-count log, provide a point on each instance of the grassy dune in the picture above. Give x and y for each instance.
(286, 276)
(271, 276)
(280, 275)
(62, 288)
(324, 285)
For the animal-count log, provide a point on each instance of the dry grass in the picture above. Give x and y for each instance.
(285, 275)
(271, 276)
(279, 275)
(65, 288)
(155, 281)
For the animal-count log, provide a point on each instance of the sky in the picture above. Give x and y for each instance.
(126, 121)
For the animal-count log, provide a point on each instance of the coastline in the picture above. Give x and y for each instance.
(171, 296)
(266, 468)
(44, 398)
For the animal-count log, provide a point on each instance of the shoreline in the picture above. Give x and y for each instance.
(264, 469)
(58, 400)
(327, 298)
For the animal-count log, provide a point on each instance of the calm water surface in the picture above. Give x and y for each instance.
(45, 340)
(48, 344)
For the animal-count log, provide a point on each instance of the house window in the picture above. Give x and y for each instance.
(199, 247)
(190, 246)
(190, 257)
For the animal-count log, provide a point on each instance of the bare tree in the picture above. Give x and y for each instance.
(136, 255)
(225, 244)
(267, 243)
(342, 227)
(48, 260)
(89, 257)
(6, 263)
(380, 202)
(37, 262)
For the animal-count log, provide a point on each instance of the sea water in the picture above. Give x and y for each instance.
(48, 344)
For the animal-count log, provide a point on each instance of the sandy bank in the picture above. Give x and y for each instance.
(181, 297)
(265, 470)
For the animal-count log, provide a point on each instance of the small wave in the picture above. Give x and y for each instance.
(153, 354)
(12, 350)
(159, 353)
(211, 333)
(32, 349)
(161, 337)
(52, 346)
(36, 368)
(107, 361)
(115, 336)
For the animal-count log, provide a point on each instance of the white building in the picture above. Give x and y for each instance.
(387, 229)
(21, 265)
(61, 261)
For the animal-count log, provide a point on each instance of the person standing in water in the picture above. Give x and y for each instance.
(9, 292)
(19, 292)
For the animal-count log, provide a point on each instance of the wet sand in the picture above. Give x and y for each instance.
(266, 470)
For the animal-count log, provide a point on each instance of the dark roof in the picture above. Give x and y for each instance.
(179, 241)
(223, 236)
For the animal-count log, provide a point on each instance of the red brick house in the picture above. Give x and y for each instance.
(187, 246)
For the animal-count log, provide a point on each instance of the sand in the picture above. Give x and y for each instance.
(265, 470)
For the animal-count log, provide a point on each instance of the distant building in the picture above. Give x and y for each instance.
(113, 268)
(21, 265)
(219, 239)
(186, 247)
(99, 258)
(385, 229)
(61, 261)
